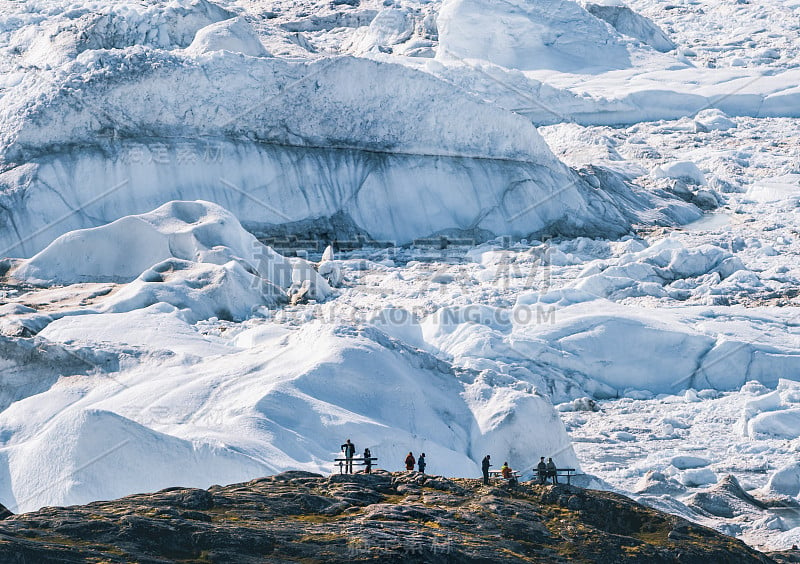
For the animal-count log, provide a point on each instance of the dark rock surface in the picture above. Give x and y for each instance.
(382, 517)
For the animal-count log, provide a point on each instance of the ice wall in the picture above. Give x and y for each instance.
(276, 142)
(392, 197)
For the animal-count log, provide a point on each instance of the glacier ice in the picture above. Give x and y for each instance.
(173, 344)
(550, 34)
(289, 395)
(234, 35)
(180, 128)
(630, 23)
(193, 255)
(195, 108)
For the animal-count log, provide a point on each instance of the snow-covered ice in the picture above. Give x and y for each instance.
(551, 34)
(238, 233)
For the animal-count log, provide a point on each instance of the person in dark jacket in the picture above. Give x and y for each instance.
(541, 470)
(421, 463)
(551, 470)
(410, 461)
(349, 450)
(367, 461)
(485, 468)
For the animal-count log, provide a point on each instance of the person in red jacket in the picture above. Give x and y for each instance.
(410, 461)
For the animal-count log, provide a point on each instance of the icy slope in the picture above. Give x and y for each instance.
(286, 399)
(155, 385)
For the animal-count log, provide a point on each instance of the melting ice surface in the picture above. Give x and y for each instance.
(709, 222)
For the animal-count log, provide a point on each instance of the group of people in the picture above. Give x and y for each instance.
(544, 470)
(505, 470)
(349, 450)
(420, 462)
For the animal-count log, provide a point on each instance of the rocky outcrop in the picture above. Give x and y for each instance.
(383, 517)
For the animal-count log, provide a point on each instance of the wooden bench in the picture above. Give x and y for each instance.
(499, 474)
(567, 473)
(356, 461)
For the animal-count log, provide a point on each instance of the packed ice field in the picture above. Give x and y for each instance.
(685, 338)
(509, 274)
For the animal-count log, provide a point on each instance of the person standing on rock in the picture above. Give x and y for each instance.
(349, 450)
(485, 468)
(551, 470)
(421, 463)
(410, 461)
(367, 461)
(541, 471)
